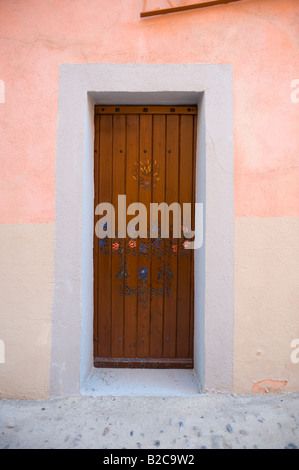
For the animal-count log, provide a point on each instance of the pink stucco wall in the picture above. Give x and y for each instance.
(260, 39)
(257, 36)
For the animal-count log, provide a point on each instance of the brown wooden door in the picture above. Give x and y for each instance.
(143, 288)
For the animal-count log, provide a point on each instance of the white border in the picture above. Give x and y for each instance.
(80, 88)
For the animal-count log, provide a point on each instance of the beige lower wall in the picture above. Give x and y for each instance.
(26, 283)
(266, 303)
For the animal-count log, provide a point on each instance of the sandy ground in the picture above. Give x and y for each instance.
(205, 421)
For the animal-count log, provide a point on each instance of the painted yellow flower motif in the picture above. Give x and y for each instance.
(146, 173)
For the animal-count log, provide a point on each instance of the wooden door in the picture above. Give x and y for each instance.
(143, 288)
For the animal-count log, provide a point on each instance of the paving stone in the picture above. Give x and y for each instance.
(197, 422)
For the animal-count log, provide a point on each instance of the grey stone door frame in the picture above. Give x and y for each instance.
(81, 86)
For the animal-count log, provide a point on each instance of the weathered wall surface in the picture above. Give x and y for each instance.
(266, 301)
(260, 39)
(26, 279)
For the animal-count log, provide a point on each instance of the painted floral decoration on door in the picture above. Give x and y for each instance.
(146, 173)
(159, 248)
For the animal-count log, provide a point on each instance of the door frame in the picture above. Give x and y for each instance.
(81, 87)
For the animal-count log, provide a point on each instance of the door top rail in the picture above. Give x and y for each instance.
(102, 109)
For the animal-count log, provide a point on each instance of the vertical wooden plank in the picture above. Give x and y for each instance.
(104, 261)
(172, 195)
(118, 244)
(144, 260)
(184, 255)
(158, 196)
(95, 238)
(191, 336)
(131, 299)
